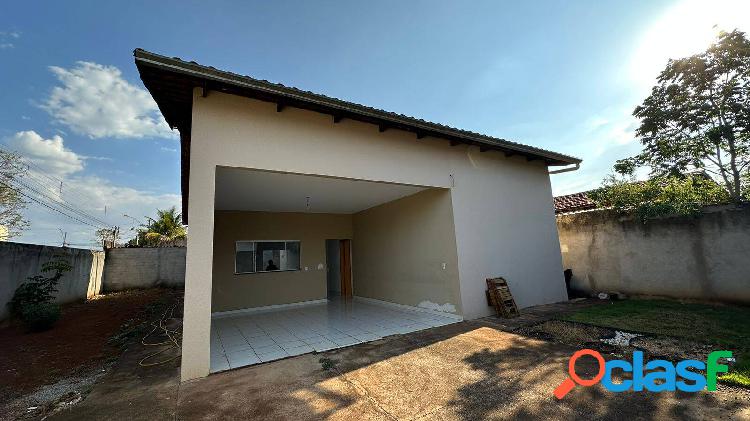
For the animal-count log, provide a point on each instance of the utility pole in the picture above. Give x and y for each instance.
(65, 236)
(137, 239)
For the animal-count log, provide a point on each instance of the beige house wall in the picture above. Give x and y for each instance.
(502, 206)
(400, 247)
(238, 291)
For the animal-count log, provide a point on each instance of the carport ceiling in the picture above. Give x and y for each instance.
(251, 190)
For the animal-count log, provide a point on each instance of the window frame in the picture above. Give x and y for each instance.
(236, 243)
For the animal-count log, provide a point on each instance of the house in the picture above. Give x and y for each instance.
(574, 202)
(295, 200)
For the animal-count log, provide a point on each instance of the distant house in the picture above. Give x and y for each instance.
(574, 202)
(297, 202)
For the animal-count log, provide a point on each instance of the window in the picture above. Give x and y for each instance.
(266, 256)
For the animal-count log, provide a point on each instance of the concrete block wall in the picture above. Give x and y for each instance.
(131, 268)
(19, 261)
(704, 258)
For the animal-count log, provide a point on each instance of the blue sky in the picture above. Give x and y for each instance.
(562, 75)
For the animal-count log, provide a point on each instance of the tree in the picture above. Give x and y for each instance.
(166, 229)
(12, 202)
(659, 196)
(698, 116)
(107, 237)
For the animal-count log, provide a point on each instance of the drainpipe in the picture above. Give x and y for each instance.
(562, 170)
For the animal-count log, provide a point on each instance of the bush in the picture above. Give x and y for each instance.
(659, 196)
(39, 317)
(32, 301)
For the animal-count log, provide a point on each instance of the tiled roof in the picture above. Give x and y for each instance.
(286, 95)
(573, 202)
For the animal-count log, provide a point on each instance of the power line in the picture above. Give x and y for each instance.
(61, 200)
(46, 186)
(57, 183)
(33, 199)
(66, 206)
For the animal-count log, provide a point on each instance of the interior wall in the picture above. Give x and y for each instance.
(400, 247)
(232, 291)
(333, 268)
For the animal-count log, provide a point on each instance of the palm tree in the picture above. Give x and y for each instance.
(166, 229)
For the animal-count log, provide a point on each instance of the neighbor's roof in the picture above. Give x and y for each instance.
(573, 203)
(171, 82)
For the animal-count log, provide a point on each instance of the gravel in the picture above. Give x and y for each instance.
(53, 397)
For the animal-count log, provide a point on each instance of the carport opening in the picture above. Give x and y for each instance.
(284, 242)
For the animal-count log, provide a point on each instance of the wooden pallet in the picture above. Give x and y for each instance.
(501, 298)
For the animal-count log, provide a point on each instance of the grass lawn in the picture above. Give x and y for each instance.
(727, 327)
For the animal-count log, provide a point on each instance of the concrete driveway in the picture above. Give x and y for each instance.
(466, 371)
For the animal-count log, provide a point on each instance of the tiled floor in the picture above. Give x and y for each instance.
(252, 338)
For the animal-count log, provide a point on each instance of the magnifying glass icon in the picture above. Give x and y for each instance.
(568, 384)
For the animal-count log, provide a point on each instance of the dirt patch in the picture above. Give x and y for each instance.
(581, 335)
(673, 349)
(574, 334)
(76, 346)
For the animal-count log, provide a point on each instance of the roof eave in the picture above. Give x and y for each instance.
(211, 78)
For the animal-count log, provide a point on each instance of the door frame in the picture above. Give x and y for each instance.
(345, 267)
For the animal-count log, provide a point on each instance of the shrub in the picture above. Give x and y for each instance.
(41, 316)
(32, 300)
(659, 196)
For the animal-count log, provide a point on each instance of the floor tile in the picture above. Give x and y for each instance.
(364, 337)
(260, 341)
(291, 344)
(267, 349)
(346, 341)
(252, 338)
(228, 333)
(219, 363)
(284, 338)
(304, 349)
(271, 356)
(253, 333)
(242, 358)
(324, 345)
(237, 347)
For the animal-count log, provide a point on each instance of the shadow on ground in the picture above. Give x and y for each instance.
(464, 371)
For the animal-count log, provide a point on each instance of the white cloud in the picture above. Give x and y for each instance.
(94, 100)
(49, 154)
(97, 197)
(6, 39)
(600, 141)
(101, 199)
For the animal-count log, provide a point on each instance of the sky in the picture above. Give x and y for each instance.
(560, 75)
